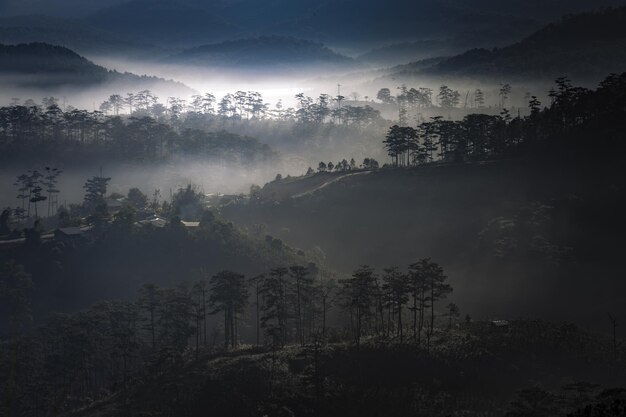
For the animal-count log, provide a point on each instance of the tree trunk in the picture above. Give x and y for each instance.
(197, 334)
(226, 327)
(258, 332)
(324, 317)
(204, 313)
(152, 328)
(400, 330)
(414, 316)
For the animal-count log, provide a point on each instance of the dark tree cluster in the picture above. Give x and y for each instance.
(328, 109)
(564, 127)
(345, 165)
(377, 304)
(34, 187)
(30, 131)
(240, 105)
(77, 358)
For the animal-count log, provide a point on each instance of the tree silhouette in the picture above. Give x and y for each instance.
(396, 285)
(275, 311)
(358, 292)
(229, 295)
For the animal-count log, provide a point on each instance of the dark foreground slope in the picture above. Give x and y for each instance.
(472, 370)
(115, 262)
(506, 232)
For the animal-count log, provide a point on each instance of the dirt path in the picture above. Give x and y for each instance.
(22, 239)
(327, 183)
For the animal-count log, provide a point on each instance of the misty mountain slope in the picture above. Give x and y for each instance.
(165, 22)
(587, 46)
(401, 53)
(265, 51)
(41, 65)
(44, 58)
(73, 34)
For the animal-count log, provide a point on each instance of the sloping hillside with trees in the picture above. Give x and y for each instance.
(506, 203)
(76, 137)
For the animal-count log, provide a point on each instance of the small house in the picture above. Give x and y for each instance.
(499, 324)
(114, 205)
(191, 225)
(69, 234)
(155, 221)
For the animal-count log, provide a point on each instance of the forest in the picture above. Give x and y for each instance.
(296, 208)
(187, 286)
(573, 115)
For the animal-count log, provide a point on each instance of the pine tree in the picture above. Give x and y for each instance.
(359, 296)
(275, 312)
(229, 295)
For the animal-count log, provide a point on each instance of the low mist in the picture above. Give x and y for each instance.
(207, 176)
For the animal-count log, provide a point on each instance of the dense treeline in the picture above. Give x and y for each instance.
(140, 126)
(566, 126)
(73, 359)
(31, 131)
(114, 241)
(241, 105)
(157, 353)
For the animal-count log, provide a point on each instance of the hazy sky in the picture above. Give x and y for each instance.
(82, 7)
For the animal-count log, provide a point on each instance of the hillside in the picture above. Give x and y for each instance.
(586, 46)
(499, 228)
(40, 65)
(473, 370)
(265, 51)
(400, 53)
(114, 263)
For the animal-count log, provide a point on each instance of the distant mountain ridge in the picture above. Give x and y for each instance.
(352, 24)
(264, 51)
(587, 45)
(333, 20)
(41, 65)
